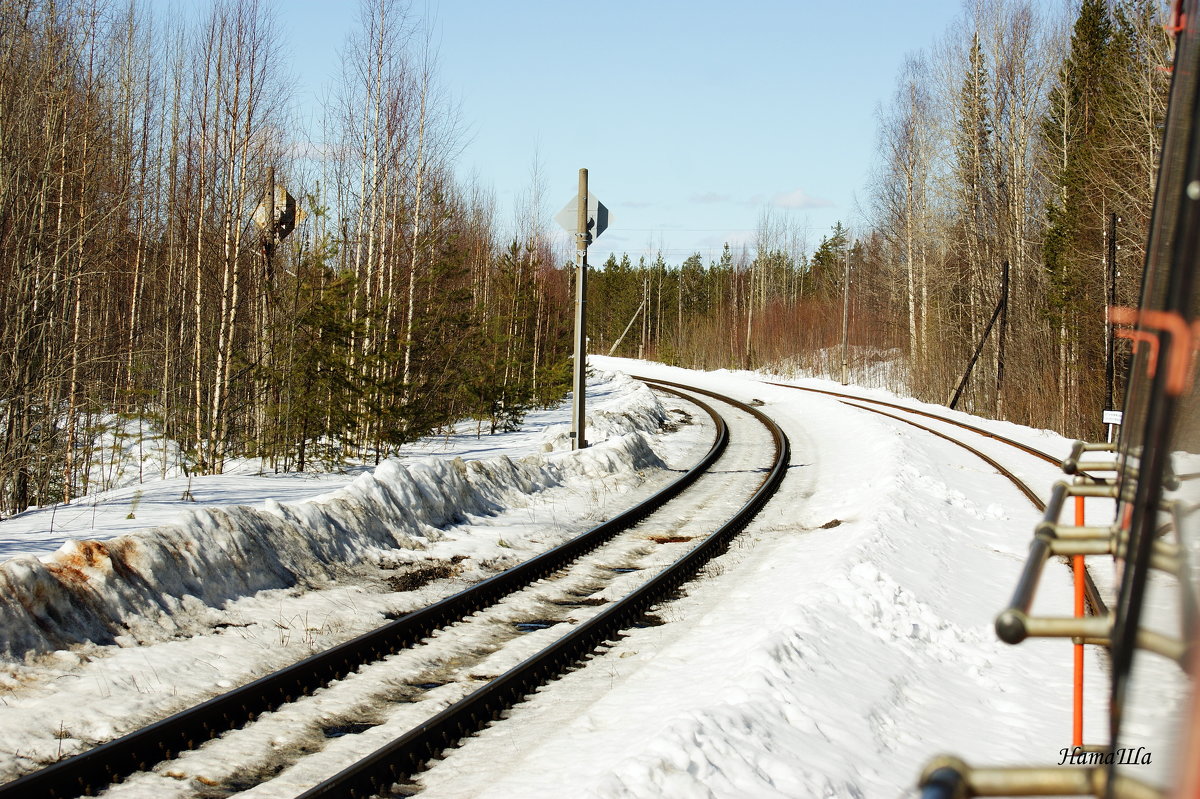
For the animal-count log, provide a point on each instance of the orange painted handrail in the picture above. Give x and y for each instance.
(1077, 726)
(1178, 19)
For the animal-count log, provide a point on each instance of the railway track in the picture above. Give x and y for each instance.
(847, 399)
(1094, 600)
(564, 584)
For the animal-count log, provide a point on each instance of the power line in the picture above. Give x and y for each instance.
(685, 230)
(709, 229)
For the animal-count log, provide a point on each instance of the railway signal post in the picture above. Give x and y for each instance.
(587, 218)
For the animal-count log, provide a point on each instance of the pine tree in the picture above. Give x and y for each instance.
(316, 387)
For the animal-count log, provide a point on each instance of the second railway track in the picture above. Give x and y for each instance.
(1094, 598)
(408, 663)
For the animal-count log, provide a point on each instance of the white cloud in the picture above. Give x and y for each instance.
(799, 199)
(710, 197)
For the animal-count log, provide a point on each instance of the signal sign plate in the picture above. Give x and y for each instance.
(598, 216)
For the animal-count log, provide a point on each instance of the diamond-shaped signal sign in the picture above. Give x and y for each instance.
(287, 214)
(598, 216)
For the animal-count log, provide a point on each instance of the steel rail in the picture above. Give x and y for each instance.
(101, 766)
(1020, 484)
(1095, 601)
(408, 754)
(1037, 453)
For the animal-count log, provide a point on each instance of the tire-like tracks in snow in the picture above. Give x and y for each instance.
(109, 763)
(1094, 600)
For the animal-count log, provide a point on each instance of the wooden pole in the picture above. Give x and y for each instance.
(1000, 341)
(846, 318)
(971, 365)
(582, 237)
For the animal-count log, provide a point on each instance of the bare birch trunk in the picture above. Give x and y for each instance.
(412, 269)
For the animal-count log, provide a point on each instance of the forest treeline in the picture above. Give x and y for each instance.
(772, 305)
(135, 148)
(1025, 140)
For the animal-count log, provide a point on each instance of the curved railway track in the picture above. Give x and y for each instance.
(844, 398)
(1094, 599)
(112, 762)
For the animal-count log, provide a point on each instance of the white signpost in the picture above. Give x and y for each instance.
(1113, 419)
(587, 218)
(276, 216)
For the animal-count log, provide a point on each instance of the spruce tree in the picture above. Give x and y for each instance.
(315, 386)
(974, 159)
(1075, 214)
(828, 262)
(1075, 107)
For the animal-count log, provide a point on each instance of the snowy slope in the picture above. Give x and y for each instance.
(843, 641)
(144, 585)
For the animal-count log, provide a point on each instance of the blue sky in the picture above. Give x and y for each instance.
(691, 117)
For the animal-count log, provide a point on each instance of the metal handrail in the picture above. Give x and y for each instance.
(948, 777)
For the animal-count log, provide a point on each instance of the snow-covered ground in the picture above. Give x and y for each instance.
(842, 642)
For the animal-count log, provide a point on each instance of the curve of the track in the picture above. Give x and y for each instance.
(740, 467)
(1094, 599)
(95, 769)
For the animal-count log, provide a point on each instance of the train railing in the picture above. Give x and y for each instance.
(1087, 770)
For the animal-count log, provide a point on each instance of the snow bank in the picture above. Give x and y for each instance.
(140, 586)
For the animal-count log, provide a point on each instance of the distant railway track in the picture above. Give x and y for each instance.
(1037, 453)
(99, 768)
(1095, 601)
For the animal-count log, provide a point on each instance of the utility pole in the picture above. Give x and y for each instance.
(1000, 341)
(846, 317)
(582, 239)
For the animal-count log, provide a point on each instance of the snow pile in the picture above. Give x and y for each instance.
(638, 406)
(141, 586)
